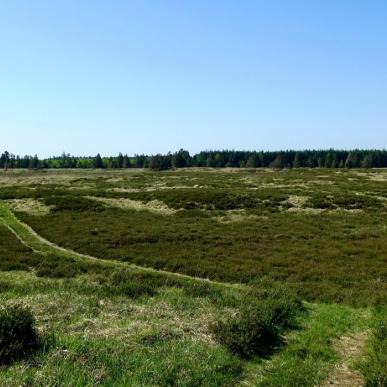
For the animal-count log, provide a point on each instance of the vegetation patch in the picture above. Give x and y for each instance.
(127, 283)
(18, 335)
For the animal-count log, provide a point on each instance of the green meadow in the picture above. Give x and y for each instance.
(193, 277)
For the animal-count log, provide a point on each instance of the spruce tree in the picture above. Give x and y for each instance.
(98, 161)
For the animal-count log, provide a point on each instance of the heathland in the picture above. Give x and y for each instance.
(268, 277)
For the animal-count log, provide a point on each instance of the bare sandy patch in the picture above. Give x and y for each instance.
(156, 206)
(29, 206)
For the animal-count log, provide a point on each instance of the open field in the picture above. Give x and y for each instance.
(139, 276)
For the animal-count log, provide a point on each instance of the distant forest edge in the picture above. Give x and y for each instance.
(214, 159)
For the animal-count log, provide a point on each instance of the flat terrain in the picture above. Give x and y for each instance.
(130, 270)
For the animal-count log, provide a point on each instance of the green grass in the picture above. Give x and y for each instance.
(374, 363)
(310, 353)
(108, 337)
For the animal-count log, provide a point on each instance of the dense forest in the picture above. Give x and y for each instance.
(215, 159)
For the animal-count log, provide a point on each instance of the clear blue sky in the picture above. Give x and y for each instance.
(152, 76)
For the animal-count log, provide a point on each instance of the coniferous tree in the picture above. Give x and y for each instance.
(181, 159)
(349, 162)
(6, 160)
(126, 162)
(296, 161)
(120, 160)
(367, 161)
(98, 163)
(278, 162)
(251, 161)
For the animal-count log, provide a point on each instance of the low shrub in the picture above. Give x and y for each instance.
(55, 270)
(18, 336)
(127, 283)
(72, 203)
(257, 327)
(52, 266)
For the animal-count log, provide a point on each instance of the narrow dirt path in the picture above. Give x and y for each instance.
(30, 238)
(350, 349)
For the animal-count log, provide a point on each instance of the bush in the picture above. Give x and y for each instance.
(126, 283)
(56, 270)
(257, 327)
(18, 336)
(58, 267)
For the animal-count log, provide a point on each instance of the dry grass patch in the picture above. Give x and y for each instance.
(297, 205)
(297, 201)
(156, 206)
(30, 206)
(379, 176)
(236, 216)
(153, 188)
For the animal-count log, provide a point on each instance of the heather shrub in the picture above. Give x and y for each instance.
(18, 336)
(126, 283)
(256, 328)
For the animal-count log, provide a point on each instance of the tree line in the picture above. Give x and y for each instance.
(331, 158)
